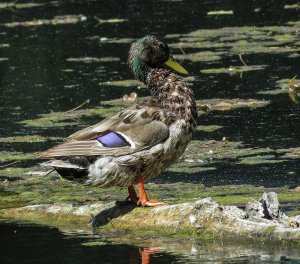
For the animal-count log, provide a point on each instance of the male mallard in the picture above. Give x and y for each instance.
(140, 142)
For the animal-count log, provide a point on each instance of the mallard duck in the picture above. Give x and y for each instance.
(140, 142)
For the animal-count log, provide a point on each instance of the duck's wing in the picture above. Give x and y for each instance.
(129, 131)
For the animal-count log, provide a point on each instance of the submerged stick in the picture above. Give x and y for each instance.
(242, 60)
(9, 164)
(79, 106)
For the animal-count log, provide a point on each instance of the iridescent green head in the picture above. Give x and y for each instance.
(150, 52)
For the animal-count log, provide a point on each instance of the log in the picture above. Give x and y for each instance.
(259, 220)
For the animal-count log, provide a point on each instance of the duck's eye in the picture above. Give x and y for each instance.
(161, 46)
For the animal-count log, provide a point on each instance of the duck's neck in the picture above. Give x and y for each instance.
(172, 93)
(139, 68)
(170, 90)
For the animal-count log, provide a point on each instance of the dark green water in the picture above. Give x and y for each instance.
(36, 79)
(36, 244)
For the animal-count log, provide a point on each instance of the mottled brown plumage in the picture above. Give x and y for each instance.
(172, 93)
(155, 132)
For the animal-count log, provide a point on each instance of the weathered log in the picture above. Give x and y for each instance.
(261, 219)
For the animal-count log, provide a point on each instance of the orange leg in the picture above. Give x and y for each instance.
(132, 194)
(143, 200)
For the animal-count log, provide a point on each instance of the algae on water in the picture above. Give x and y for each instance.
(123, 83)
(234, 69)
(93, 59)
(57, 20)
(208, 128)
(6, 156)
(63, 119)
(110, 21)
(231, 41)
(220, 12)
(27, 139)
(16, 5)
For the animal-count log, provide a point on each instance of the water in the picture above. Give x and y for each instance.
(37, 244)
(37, 78)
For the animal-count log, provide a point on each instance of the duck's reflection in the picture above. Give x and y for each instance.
(143, 254)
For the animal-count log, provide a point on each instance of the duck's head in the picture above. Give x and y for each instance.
(150, 52)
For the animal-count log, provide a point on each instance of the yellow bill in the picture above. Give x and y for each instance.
(176, 66)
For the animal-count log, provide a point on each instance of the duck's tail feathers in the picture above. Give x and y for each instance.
(73, 168)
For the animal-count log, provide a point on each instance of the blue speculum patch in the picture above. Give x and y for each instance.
(112, 140)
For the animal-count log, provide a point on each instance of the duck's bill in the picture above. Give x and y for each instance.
(176, 66)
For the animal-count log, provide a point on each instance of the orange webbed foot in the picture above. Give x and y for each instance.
(143, 199)
(150, 203)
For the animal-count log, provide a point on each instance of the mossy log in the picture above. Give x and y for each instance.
(260, 220)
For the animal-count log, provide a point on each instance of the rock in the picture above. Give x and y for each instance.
(271, 205)
(267, 209)
(297, 189)
(294, 221)
(255, 210)
(236, 212)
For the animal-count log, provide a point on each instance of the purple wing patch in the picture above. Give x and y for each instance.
(112, 140)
